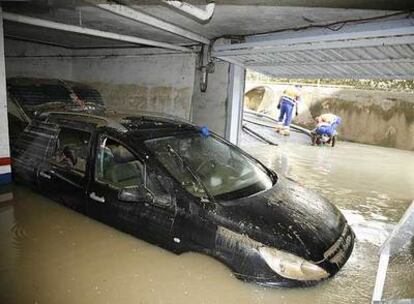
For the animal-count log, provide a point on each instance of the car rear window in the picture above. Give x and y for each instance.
(33, 95)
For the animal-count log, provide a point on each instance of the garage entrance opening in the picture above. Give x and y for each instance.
(375, 112)
(375, 115)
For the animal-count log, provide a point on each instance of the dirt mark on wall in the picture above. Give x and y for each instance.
(135, 98)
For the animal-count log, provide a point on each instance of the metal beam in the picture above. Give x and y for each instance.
(353, 32)
(233, 60)
(37, 41)
(334, 74)
(336, 62)
(235, 105)
(406, 31)
(359, 35)
(90, 32)
(132, 14)
(399, 237)
(399, 40)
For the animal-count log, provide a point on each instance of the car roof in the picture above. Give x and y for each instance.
(120, 122)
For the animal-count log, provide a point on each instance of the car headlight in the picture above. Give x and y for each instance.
(291, 266)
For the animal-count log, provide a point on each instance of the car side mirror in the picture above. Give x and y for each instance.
(135, 194)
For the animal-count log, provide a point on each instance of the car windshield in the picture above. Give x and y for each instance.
(223, 170)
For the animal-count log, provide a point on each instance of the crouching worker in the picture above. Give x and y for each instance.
(325, 131)
(288, 101)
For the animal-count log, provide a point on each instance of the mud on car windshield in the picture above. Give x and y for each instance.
(207, 164)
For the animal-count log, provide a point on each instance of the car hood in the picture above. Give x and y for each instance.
(287, 217)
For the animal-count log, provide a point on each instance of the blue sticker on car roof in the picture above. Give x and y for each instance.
(205, 131)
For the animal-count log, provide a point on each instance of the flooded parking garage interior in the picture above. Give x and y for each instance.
(116, 185)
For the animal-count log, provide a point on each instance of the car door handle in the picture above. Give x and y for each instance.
(97, 198)
(46, 174)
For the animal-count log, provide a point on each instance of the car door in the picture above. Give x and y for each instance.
(63, 175)
(34, 145)
(116, 167)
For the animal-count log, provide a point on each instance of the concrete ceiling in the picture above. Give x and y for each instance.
(231, 18)
(241, 20)
(259, 30)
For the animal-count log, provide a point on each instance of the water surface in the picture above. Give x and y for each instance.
(50, 254)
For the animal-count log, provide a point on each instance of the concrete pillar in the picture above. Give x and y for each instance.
(235, 103)
(5, 169)
(209, 108)
(220, 107)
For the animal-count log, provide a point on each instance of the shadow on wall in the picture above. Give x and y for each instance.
(368, 116)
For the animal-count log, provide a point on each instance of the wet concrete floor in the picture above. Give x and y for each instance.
(50, 254)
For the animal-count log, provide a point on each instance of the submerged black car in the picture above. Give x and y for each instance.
(185, 189)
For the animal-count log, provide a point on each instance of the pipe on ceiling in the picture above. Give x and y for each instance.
(132, 14)
(90, 32)
(201, 14)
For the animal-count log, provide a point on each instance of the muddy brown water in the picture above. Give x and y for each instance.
(50, 254)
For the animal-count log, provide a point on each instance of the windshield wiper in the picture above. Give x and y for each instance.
(187, 167)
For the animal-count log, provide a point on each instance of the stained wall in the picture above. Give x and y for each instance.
(129, 80)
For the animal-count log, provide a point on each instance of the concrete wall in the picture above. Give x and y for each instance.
(24, 59)
(129, 80)
(162, 83)
(210, 108)
(369, 116)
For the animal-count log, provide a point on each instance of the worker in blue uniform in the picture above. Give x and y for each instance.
(326, 128)
(287, 103)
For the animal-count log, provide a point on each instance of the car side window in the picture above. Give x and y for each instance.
(72, 149)
(117, 166)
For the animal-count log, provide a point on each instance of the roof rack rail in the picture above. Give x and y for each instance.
(153, 114)
(109, 122)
